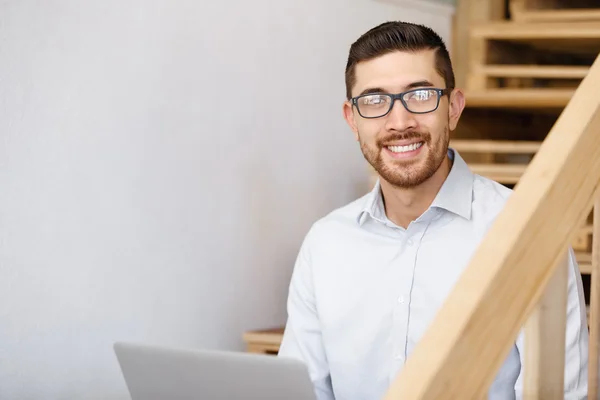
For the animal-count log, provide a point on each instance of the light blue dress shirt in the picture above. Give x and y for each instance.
(363, 291)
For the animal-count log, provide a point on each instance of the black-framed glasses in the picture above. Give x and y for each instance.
(416, 101)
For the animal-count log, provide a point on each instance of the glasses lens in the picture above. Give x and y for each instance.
(373, 105)
(421, 100)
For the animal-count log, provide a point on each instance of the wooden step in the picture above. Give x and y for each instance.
(540, 11)
(584, 259)
(495, 146)
(567, 37)
(535, 71)
(519, 98)
(266, 341)
(509, 30)
(501, 173)
(564, 15)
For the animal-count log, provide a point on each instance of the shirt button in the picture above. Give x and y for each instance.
(401, 299)
(409, 242)
(398, 357)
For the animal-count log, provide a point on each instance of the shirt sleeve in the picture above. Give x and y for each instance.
(302, 338)
(576, 340)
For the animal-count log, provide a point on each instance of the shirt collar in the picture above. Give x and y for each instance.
(455, 195)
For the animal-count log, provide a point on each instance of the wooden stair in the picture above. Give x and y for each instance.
(528, 62)
(535, 71)
(520, 64)
(502, 173)
(579, 15)
(574, 36)
(496, 146)
(526, 11)
(585, 262)
(519, 98)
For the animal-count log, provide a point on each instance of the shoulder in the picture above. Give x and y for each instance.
(340, 218)
(490, 190)
(489, 197)
(335, 225)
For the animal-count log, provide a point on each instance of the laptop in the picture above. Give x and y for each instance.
(161, 373)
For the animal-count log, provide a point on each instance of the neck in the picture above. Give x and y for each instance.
(404, 205)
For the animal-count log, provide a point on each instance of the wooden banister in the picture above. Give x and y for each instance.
(461, 352)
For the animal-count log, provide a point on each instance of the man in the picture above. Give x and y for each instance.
(370, 276)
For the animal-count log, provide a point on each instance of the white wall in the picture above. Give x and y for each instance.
(160, 162)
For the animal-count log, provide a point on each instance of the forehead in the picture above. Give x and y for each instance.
(394, 71)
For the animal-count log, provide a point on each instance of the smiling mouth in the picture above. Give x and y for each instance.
(405, 149)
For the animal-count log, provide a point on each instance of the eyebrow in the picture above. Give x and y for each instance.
(413, 85)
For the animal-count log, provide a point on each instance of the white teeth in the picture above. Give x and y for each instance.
(404, 149)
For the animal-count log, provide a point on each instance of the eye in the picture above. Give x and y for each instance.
(374, 100)
(421, 95)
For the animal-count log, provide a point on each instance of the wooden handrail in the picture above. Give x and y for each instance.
(461, 352)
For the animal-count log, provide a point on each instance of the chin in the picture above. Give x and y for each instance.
(406, 176)
(407, 182)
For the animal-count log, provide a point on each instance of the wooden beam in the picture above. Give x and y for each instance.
(495, 146)
(460, 354)
(575, 15)
(472, 52)
(584, 260)
(501, 173)
(519, 98)
(594, 318)
(460, 34)
(585, 268)
(545, 340)
(520, 12)
(535, 71)
(523, 31)
(490, 10)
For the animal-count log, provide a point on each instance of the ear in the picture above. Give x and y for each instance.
(456, 107)
(348, 111)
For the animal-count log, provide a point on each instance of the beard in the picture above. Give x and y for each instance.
(407, 174)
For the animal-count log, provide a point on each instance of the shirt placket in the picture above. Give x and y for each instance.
(403, 283)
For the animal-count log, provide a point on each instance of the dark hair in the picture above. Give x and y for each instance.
(398, 36)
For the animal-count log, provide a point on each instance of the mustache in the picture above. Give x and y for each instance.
(423, 136)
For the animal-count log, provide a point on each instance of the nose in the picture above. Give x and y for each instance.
(399, 118)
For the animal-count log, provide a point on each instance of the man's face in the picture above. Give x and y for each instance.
(405, 148)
